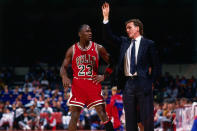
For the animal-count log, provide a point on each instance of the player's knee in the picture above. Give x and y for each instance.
(75, 116)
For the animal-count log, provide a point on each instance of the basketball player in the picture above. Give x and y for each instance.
(86, 87)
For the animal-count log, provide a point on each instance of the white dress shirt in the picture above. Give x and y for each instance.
(127, 58)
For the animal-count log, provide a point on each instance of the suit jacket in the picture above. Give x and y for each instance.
(147, 56)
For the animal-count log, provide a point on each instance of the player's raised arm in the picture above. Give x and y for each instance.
(63, 70)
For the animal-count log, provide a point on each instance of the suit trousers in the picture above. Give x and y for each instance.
(138, 103)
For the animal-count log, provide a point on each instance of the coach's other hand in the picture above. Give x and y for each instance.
(98, 78)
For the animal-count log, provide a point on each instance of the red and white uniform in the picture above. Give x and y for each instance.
(85, 65)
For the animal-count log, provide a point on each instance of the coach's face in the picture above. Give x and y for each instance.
(86, 33)
(132, 30)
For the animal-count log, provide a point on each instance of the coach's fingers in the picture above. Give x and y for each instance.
(98, 79)
(94, 78)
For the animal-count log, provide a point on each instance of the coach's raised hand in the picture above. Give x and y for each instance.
(105, 10)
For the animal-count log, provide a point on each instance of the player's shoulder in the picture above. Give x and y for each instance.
(97, 45)
(71, 49)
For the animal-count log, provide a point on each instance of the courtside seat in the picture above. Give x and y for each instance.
(58, 117)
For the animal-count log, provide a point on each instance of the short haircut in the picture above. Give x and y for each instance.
(114, 88)
(138, 23)
(81, 27)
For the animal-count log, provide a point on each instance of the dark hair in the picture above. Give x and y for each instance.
(81, 27)
(138, 23)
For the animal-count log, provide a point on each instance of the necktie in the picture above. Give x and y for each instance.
(132, 64)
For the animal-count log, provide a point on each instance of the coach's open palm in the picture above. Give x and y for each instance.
(105, 10)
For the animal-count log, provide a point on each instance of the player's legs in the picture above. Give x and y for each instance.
(75, 113)
(100, 109)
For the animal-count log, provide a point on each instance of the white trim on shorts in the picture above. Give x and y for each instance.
(94, 102)
(72, 102)
(69, 97)
(96, 105)
(82, 78)
(76, 105)
(77, 102)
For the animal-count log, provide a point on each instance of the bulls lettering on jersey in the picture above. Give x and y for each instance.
(85, 61)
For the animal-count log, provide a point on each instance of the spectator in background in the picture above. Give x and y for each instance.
(183, 82)
(60, 109)
(66, 119)
(54, 106)
(7, 104)
(15, 93)
(60, 100)
(33, 113)
(106, 94)
(44, 83)
(175, 92)
(114, 109)
(49, 122)
(6, 94)
(40, 101)
(177, 103)
(25, 122)
(194, 126)
(46, 108)
(183, 102)
(157, 114)
(1, 108)
(169, 122)
(27, 84)
(2, 84)
(7, 117)
(36, 82)
(18, 110)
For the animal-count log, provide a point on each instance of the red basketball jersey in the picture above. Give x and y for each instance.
(85, 61)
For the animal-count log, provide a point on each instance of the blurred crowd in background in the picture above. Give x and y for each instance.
(39, 101)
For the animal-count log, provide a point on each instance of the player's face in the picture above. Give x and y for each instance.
(86, 33)
(132, 30)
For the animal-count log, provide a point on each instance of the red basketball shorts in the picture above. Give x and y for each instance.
(85, 92)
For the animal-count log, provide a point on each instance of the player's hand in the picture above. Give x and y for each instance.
(66, 82)
(105, 10)
(98, 78)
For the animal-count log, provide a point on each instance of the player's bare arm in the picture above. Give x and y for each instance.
(63, 70)
(106, 57)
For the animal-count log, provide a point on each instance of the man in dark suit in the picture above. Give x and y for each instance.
(137, 56)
